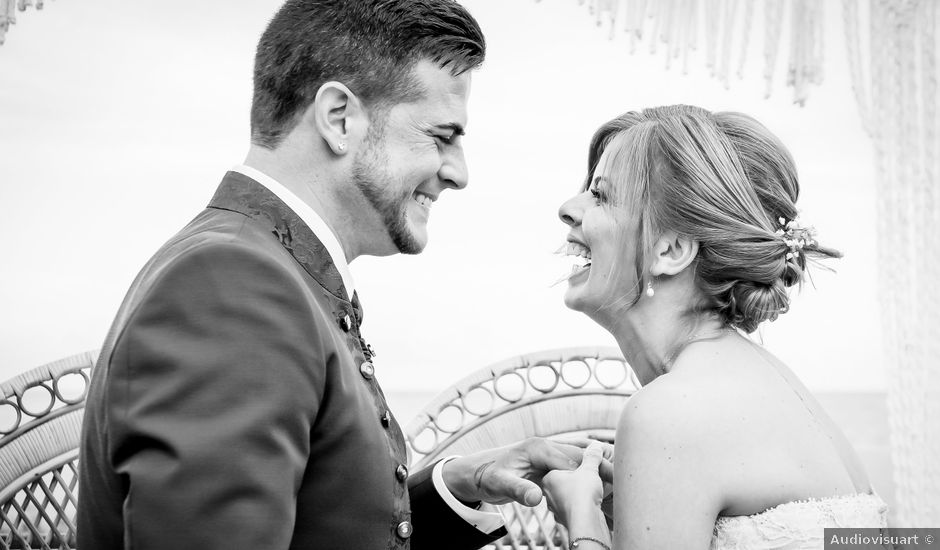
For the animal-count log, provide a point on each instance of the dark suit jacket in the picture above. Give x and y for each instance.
(233, 404)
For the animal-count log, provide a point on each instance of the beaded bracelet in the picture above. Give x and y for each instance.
(576, 543)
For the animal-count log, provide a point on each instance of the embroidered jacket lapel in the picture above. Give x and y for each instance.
(239, 193)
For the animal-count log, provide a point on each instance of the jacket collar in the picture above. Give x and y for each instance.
(239, 193)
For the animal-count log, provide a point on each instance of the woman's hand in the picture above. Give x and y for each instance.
(574, 496)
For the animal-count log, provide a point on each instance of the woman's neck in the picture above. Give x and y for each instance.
(652, 338)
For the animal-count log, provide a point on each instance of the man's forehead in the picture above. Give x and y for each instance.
(442, 90)
(435, 77)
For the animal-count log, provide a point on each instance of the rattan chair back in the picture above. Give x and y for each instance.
(40, 425)
(556, 393)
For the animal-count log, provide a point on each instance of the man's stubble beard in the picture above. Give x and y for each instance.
(372, 180)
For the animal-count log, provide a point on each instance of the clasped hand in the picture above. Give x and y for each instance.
(584, 488)
(521, 471)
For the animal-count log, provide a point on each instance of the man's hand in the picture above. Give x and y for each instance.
(511, 473)
(606, 469)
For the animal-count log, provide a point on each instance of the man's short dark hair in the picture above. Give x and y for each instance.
(371, 46)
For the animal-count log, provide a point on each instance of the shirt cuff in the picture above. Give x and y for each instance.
(485, 522)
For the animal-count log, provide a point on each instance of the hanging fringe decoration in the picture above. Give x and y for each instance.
(892, 60)
(8, 14)
(748, 22)
(892, 50)
(726, 27)
(806, 48)
(7, 17)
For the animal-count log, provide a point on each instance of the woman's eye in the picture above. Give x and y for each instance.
(596, 194)
(448, 139)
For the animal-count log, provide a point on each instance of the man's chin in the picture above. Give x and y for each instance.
(412, 249)
(412, 241)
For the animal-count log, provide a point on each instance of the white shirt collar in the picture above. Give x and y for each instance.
(309, 217)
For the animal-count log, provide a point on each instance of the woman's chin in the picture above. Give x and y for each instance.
(577, 286)
(575, 298)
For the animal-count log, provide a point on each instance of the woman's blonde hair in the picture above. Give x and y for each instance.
(723, 180)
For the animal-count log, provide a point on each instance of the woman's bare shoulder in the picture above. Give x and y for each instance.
(674, 408)
(714, 405)
(669, 449)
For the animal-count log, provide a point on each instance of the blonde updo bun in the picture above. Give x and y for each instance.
(724, 180)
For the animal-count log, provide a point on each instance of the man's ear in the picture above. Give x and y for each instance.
(338, 116)
(672, 253)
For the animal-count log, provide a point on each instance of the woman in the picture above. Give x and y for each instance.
(687, 224)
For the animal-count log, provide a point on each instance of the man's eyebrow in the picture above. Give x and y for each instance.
(453, 126)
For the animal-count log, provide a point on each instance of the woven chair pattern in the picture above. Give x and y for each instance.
(40, 426)
(563, 392)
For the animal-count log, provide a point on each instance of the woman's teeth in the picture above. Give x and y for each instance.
(423, 200)
(577, 249)
(582, 259)
(581, 254)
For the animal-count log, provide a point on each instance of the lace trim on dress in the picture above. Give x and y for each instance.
(799, 524)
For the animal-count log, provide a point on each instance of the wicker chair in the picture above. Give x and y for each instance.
(560, 392)
(40, 425)
(573, 391)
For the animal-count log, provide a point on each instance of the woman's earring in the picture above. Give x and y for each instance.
(649, 289)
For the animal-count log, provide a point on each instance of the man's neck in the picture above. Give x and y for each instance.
(307, 184)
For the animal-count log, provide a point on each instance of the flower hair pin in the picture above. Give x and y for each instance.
(796, 236)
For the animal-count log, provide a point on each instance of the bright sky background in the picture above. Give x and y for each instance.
(118, 119)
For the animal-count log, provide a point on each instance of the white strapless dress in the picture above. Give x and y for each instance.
(798, 525)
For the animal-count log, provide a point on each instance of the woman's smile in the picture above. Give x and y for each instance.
(581, 255)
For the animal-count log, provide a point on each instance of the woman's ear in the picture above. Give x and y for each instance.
(672, 253)
(337, 115)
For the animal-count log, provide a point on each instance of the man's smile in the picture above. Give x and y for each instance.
(424, 200)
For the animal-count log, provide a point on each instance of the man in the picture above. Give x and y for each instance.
(234, 404)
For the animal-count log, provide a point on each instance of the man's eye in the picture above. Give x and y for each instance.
(448, 139)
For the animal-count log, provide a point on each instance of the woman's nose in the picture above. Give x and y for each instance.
(571, 210)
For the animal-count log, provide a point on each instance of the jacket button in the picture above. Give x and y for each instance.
(367, 370)
(404, 529)
(401, 472)
(345, 323)
(386, 419)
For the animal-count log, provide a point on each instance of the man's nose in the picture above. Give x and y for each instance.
(572, 209)
(453, 172)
